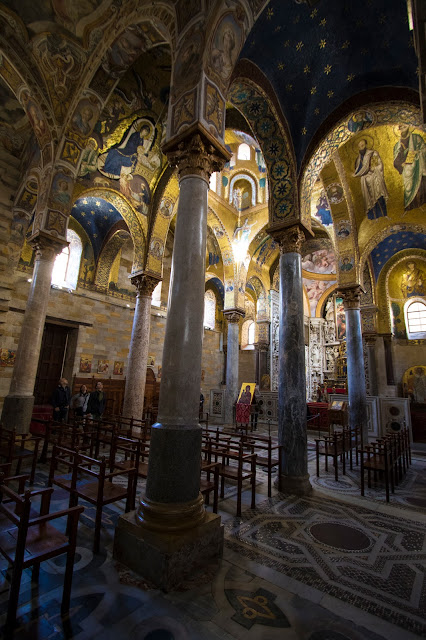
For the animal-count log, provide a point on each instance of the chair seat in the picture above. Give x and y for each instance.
(206, 485)
(264, 462)
(40, 538)
(17, 452)
(143, 469)
(232, 472)
(112, 492)
(375, 464)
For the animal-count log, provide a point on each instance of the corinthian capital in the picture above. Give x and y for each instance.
(47, 247)
(144, 283)
(234, 315)
(290, 239)
(351, 296)
(195, 155)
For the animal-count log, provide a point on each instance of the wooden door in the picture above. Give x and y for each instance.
(50, 365)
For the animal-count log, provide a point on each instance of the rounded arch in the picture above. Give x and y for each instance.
(136, 223)
(107, 257)
(323, 299)
(254, 182)
(271, 132)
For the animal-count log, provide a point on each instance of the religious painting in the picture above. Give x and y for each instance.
(188, 61)
(103, 366)
(185, 11)
(124, 51)
(344, 229)
(151, 361)
(73, 12)
(340, 319)
(322, 210)
(314, 291)
(413, 280)
(225, 46)
(36, 118)
(85, 364)
(346, 263)
(335, 193)
(159, 372)
(11, 112)
(246, 393)
(409, 159)
(166, 207)
(62, 190)
(184, 111)
(369, 169)
(7, 357)
(360, 120)
(56, 222)
(156, 248)
(414, 384)
(321, 261)
(89, 160)
(118, 368)
(85, 117)
(214, 109)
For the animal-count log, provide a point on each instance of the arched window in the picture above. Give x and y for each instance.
(251, 332)
(213, 182)
(244, 152)
(156, 295)
(209, 310)
(67, 264)
(415, 319)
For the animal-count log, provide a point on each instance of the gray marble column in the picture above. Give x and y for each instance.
(232, 361)
(293, 475)
(139, 343)
(355, 359)
(370, 344)
(172, 500)
(19, 402)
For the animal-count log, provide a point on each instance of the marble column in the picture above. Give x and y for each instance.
(387, 343)
(355, 358)
(139, 343)
(171, 532)
(232, 360)
(19, 402)
(293, 475)
(370, 344)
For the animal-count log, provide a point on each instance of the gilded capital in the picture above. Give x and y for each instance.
(195, 156)
(370, 339)
(290, 239)
(47, 247)
(144, 284)
(234, 315)
(351, 296)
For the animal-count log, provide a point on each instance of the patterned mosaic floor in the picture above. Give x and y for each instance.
(333, 566)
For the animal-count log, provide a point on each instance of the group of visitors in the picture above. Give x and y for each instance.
(83, 403)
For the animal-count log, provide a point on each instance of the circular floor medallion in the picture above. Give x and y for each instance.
(340, 536)
(159, 634)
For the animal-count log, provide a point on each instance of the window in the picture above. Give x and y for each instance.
(251, 331)
(156, 295)
(415, 319)
(213, 182)
(243, 152)
(67, 263)
(209, 310)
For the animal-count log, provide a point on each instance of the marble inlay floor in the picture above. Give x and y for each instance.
(334, 566)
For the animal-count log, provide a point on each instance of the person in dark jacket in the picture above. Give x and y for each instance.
(61, 400)
(97, 401)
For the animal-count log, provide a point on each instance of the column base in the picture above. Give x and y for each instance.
(165, 559)
(17, 412)
(295, 485)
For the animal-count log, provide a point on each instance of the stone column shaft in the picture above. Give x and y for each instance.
(355, 359)
(139, 344)
(293, 475)
(172, 500)
(18, 405)
(232, 362)
(370, 341)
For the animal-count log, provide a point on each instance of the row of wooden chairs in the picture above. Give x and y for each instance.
(388, 457)
(339, 446)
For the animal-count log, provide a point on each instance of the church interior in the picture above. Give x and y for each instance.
(197, 196)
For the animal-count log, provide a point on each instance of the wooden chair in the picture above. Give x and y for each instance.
(31, 538)
(93, 485)
(268, 454)
(13, 447)
(244, 468)
(377, 457)
(331, 447)
(130, 452)
(209, 484)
